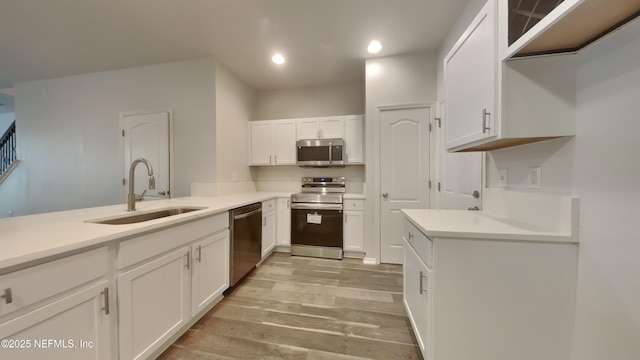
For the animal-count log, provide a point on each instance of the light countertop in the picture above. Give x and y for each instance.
(30, 238)
(464, 224)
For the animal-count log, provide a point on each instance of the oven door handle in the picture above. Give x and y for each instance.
(308, 206)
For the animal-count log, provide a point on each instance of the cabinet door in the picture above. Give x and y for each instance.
(417, 297)
(332, 128)
(210, 275)
(284, 142)
(268, 232)
(283, 218)
(74, 327)
(354, 231)
(153, 302)
(469, 75)
(261, 134)
(307, 129)
(354, 131)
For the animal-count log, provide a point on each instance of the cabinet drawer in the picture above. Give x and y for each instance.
(419, 241)
(31, 285)
(147, 246)
(268, 205)
(357, 205)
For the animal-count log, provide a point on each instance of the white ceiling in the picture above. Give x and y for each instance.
(324, 41)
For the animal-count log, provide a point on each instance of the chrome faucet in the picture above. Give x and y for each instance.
(131, 199)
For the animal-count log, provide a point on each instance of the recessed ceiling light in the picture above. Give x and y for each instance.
(278, 59)
(374, 47)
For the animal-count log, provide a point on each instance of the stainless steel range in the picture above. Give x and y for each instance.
(316, 218)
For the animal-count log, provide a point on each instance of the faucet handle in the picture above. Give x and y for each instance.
(141, 196)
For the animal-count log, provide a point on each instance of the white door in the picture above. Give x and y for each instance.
(404, 173)
(147, 136)
(460, 175)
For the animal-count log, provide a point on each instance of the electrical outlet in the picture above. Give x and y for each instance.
(534, 177)
(502, 178)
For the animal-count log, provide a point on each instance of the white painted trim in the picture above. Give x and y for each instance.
(403, 106)
(8, 171)
(370, 261)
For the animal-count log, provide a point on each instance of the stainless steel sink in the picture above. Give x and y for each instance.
(146, 216)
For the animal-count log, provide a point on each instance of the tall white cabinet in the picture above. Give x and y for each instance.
(268, 227)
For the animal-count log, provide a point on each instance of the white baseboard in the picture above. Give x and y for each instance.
(370, 261)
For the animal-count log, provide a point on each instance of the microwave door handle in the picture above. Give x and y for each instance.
(330, 153)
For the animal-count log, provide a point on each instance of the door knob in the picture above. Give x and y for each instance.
(476, 194)
(385, 195)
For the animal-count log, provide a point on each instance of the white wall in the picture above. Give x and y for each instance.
(68, 133)
(235, 102)
(600, 165)
(397, 80)
(6, 119)
(339, 99)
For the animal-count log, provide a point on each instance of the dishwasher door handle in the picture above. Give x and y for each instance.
(242, 216)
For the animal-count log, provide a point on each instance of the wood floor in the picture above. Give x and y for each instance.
(305, 308)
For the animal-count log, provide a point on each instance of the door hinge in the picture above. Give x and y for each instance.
(429, 127)
(438, 186)
(429, 184)
(124, 181)
(122, 133)
(439, 120)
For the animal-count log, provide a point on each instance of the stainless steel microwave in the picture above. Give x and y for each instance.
(320, 153)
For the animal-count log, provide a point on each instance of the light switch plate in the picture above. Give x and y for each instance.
(534, 177)
(502, 178)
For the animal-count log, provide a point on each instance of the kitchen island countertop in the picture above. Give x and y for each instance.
(26, 239)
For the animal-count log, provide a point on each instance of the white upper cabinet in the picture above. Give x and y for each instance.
(469, 70)
(321, 128)
(534, 27)
(273, 142)
(354, 139)
(493, 104)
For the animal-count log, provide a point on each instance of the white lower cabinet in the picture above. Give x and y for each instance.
(166, 279)
(417, 297)
(268, 230)
(77, 326)
(58, 310)
(153, 302)
(283, 221)
(353, 233)
(490, 299)
(209, 280)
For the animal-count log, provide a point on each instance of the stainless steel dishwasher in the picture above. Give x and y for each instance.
(246, 240)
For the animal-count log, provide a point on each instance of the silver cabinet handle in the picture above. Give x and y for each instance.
(199, 253)
(410, 236)
(385, 195)
(485, 123)
(105, 293)
(422, 289)
(188, 255)
(264, 221)
(269, 159)
(7, 296)
(288, 203)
